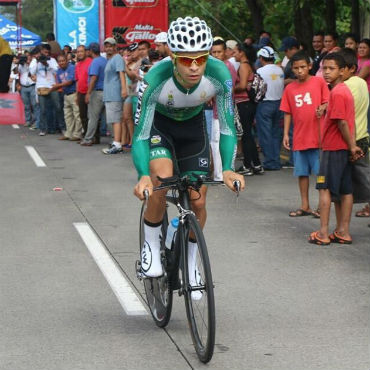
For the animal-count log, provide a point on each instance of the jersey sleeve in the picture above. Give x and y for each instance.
(220, 76)
(148, 93)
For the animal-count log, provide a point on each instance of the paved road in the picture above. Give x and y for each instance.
(281, 303)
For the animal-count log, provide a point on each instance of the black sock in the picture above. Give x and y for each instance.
(151, 224)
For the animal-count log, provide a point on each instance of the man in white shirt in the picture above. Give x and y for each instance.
(44, 68)
(268, 115)
(27, 89)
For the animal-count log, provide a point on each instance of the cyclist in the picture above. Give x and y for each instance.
(170, 134)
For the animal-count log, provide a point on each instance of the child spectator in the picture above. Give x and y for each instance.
(334, 181)
(360, 168)
(304, 100)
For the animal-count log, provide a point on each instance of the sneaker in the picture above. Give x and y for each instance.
(33, 127)
(112, 150)
(195, 279)
(258, 170)
(245, 171)
(151, 265)
(286, 165)
(42, 133)
(86, 143)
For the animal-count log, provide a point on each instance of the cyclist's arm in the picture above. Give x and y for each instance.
(148, 94)
(225, 110)
(143, 122)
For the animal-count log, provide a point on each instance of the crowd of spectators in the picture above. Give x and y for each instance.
(88, 92)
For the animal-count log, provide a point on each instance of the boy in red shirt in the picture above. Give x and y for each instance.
(339, 146)
(304, 100)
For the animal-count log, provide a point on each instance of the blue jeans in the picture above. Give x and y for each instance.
(50, 101)
(268, 117)
(31, 107)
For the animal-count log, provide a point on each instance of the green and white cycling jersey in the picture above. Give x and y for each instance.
(160, 91)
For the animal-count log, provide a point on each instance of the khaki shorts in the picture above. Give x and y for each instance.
(114, 111)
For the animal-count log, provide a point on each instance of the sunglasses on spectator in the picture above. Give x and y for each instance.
(188, 61)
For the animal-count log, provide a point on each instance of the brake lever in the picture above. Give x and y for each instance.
(146, 194)
(237, 185)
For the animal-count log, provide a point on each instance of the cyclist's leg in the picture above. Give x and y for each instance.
(153, 217)
(196, 160)
(198, 204)
(161, 167)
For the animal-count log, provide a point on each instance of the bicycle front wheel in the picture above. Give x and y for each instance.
(198, 291)
(157, 290)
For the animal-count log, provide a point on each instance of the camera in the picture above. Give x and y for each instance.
(22, 60)
(43, 58)
(145, 65)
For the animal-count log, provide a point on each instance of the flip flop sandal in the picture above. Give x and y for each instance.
(299, 213)
(315, 239)
(336, 238)
(365, 212)
(316, 213)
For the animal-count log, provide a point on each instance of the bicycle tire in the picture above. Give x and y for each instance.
(202, 327)
(157, 290)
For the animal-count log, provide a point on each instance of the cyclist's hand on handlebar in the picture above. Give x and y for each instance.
(229, 180)
(145, 183)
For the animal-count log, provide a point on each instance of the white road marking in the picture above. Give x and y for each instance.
(15, 126)
(35, 156)
(120, 286)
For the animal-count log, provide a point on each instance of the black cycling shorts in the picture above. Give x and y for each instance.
(184, 142)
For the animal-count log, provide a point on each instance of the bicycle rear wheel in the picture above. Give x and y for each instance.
(158, 292)
(200, 309)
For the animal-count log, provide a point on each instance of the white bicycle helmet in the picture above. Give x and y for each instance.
(189, 34)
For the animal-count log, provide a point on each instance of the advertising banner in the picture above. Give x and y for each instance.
(76, 22)
(10, 32)
(131, 21)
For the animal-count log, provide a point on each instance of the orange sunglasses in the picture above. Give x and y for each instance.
(188, 61)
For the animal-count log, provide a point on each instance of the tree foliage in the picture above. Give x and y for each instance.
(237, 19)
(37, 16)
(280, 17)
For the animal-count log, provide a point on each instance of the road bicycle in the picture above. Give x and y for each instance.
(198, 294)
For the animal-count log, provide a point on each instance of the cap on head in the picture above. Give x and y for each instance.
(94, 47)
(110, 40)
(216, 38)
(230, 44)
(188, 35)
(266, 52)
(288, 43)
(161, 37)
(264, 41)
(133, 46)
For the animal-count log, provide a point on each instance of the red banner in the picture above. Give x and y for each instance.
(131, 21)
